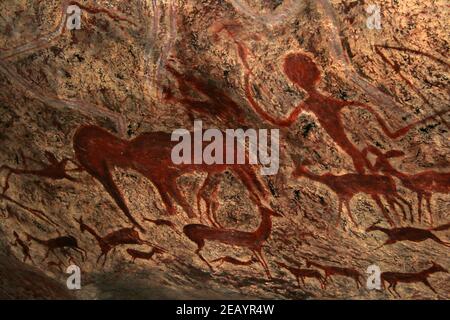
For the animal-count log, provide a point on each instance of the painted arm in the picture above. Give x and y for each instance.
(385, 128)
(286, 122)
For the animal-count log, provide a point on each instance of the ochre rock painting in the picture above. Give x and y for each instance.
(92, 91)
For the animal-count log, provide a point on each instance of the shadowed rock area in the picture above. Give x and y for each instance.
(20, 281)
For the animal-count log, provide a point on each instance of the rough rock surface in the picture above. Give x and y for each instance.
(149, 66)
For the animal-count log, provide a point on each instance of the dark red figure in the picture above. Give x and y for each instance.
(112, 239)
(54, 170)
(348, 185)
(61, 242)
(423, 183)
(99, 152)
(235, 261)
(407, 234)
(393, 278)
(24, 246)
(337, 271)
(301, 274)
(136, 254)
(303, 71)
(254, 241)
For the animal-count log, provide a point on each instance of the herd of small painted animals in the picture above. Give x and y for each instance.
(98, 152)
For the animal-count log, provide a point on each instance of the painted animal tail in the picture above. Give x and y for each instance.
(441, 227)
(30, 237)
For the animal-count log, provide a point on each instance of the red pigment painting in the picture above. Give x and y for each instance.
(236, 149)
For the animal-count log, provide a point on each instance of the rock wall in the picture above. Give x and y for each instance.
(363, 116)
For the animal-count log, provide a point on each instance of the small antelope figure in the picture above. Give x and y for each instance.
(25, 247)
(54, 170)
(406, 234)
(254, 241)
(423, 183)
(338, 271)
(60, 242)
(299, 273)
(235, 261)
(395, 277)
(112, 239)
(347, 185)
(218, 106)
(136, 254)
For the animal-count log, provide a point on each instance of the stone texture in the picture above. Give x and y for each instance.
(115, 73)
